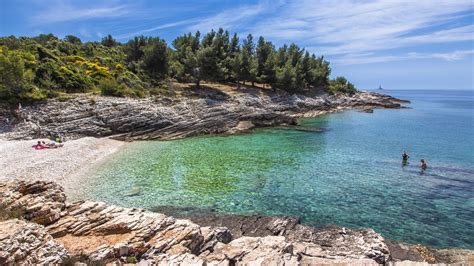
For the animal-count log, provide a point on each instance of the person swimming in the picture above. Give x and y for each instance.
(423, 164)
(405, 157)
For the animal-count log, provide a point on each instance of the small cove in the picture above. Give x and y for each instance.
(347, 174)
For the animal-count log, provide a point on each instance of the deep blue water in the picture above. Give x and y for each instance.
(350, 174)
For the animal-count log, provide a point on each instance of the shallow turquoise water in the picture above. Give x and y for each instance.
(349, 175)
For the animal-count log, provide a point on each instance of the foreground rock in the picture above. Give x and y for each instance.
(171, 118)
(94, 232)
(28, 243)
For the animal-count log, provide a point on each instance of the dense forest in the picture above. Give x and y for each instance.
(36, 68)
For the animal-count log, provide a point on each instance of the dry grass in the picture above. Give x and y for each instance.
(185, 89)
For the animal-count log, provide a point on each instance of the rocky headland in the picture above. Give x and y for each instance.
(202, 112)
(38, 226)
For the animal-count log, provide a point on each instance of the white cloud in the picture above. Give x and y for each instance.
(349, 27)
(453, 56)
(348, 31)
(228, 19)
(63, 11)
(159, 27)
(463, 33)
(368, 58)
(353, 31)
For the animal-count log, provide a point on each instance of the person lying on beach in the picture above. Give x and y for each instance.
(43, 145)
(39, 146)
(52, 145)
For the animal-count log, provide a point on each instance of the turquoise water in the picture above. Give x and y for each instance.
(349, 174)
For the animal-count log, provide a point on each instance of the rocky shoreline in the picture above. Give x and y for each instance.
(38, 226)
(171, 118)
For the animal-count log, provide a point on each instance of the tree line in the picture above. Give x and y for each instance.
(35, 68)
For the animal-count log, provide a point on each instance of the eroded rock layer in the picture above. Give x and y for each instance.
(171, 118)
(54, 231)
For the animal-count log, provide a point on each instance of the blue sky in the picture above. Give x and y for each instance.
(404, 44)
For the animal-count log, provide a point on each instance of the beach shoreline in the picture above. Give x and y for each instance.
(65, 165)
(97, 127)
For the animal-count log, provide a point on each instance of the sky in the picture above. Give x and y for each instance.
(398, 44)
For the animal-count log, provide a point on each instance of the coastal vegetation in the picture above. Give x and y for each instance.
(45, 66)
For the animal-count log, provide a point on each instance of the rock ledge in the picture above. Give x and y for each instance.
(50, 230)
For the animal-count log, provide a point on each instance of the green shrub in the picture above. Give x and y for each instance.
(111, 87)
(16, 80)
(132, 259)
(139, 91)
(341, 85)
(162, 89)
(32, 93)
(64, 97)
(75, 82)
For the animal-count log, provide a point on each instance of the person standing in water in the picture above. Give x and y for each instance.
(405, 157)
(423, 164)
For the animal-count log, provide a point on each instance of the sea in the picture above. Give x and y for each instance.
(346, 171)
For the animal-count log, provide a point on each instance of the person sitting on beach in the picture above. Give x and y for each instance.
(423, 164)
(405, 157)
(40, 145)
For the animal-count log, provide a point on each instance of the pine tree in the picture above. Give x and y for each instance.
(269, 70)
(109, 41)
(232, 60)
(249, 45)
(286, 78)
(155, 59)
(133, 48)
(263, 50)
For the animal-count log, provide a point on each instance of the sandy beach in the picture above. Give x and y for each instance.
(63, 165)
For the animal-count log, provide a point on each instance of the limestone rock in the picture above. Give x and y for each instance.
(102, 254)
(164, 118)
(212, 236)
(40, 202)
(98, 233)
(336, 243)
(28, 243)
(180, 259)
(332, 243)
(269, 250)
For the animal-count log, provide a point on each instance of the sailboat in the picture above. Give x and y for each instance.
(380, 87)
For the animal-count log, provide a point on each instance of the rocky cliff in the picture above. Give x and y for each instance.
(38, 226)
(170, 118)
